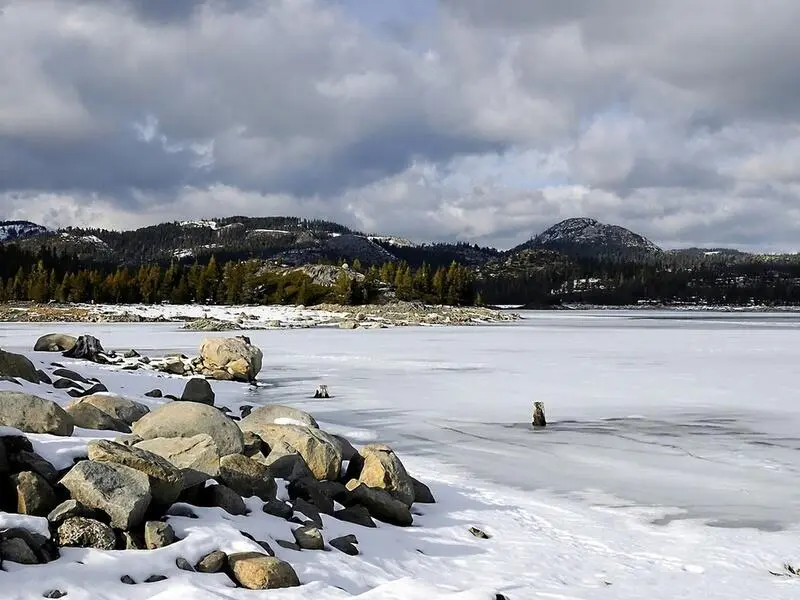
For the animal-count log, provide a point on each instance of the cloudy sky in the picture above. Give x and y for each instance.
(481, 120)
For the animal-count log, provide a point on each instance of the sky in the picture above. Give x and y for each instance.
(477, 120)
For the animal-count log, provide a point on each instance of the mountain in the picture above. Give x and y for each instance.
(18, 230)
(584, 237)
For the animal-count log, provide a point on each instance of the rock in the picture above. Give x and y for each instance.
(319, 493)
(155, 578)
(183, 564)
(130, 540)
(252, 444)
(43, 377)
(284, 462)
(120, 492)
(322, 392)
(319, 450)
(215, 562)
(23, 460)
(383, 470)
(538, 419)
(210, 324)
(118, 407)
(88, 416)
(225, 498)
(245, 410)
(267, 548)
(422, 493)
(187, 419)
(276, 414)
(198, 390)
(32, 414)
(54, 594)
(127, 580)
(4, 467)
(80, 393)
(55, 342)
(173, 365)
(481, 535)
(356, 514)
(10, 380)
(308, 510)
(278, 508)
(166, 480)
(236, 355)
(154, 394)
(34, 495)
(309, 538)
(288, 545)
(179, 510)
(128, 440)
(380, 503)
(14, 443)
(348, 451)
(63, 384)
(71, 375)
(348, 325)
(131, 354)
(87, 347)
(256, 571)
(17, 365)
(86, 533)
(247, 477)
(43, 547)
(67, 510)
(197, 457)
(158, 535)
(16, 550)
(345, 544)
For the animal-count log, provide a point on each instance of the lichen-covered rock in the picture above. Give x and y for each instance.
(215, 562)
(237, 356)
(199, 390)
(86, 533)
(256, 571)
(17, 365)
(247, 477)
(380, 503)
(55, 342)
(118, 407)
(276, 414)
(187, 419)
(34, 495)
(32, 414)
(158, 534)
(88, 416)
(383, 470)
(166, 480)
(321, 453)
(197, 457)
(309, 538)
(69, 509)
(120, 492)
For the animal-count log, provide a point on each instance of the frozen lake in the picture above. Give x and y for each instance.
(696, 412)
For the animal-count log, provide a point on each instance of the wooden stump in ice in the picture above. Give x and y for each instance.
(322, 392)
(538, 415)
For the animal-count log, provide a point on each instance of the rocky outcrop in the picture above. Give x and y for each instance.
(235, 356)
(17, 366)
(211, 324)
(55, 342)
(276, 414)
(121, 492)
(187, 419)
(320, 451)
(197, 457)
(256, 571)
(32, 414)
(166, 480)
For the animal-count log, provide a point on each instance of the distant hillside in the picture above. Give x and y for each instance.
(19, 230)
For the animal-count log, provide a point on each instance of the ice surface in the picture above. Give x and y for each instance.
(668, 469)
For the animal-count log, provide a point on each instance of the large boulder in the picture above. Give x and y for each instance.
(319, 450)
(197, 457)
(118, 407)
(17, 365)
(256, 571)
(380, 468)
(187, 419)
(166, 480)
(88, 416)
(32, 414)
(247, 477)
(199, 390)
(236, 356)
(276, 414)
(380, 503)
(55, 342)
(34, 495)
(284, 462)
(121, 492)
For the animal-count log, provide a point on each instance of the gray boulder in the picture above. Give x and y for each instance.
(247, 477)
(32, 414)
(319, 450)
(284, 462)
(380, 503)
(158, 534)
(215, 562)
(55, 342)
(276, 414)
(34, 495)
(225, 498)
(88, 416)
(380, 468)
(197, 457)
(71, 375)
(17, 365)
(68, 510)
(166, 480)
(187, 419)
(18, 551)
(346, 544)
(121, 492)
(236, 356)
(199, 390)
(256, 571)
(422, 493)
(86, 533)
(118, 407)
(309, 538)
(24, 460)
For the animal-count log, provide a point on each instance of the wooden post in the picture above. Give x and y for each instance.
(322, 392)
(538, 415)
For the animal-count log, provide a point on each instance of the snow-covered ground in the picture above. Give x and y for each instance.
(668, 470)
